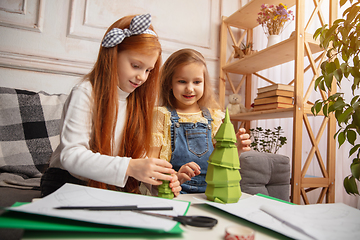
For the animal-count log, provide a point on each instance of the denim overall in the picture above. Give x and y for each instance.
(191, 142)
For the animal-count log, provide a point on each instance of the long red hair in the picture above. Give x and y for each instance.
(135, 142)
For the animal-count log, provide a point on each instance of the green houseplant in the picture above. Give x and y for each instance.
(342, 41)
(267, 140)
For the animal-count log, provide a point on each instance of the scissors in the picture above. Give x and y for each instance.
(195, 221)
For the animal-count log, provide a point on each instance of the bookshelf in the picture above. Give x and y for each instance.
(299, 46)
(269, 57)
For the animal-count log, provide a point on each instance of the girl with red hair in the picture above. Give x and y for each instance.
(107, 118)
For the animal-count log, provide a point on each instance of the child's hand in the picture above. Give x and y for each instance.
(187, 171)
(150, 170)
(175, 185)
(243, 141)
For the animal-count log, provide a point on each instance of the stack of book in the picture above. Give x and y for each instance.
(273, 97)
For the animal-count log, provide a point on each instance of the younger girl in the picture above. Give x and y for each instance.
(189, 119)
(107, 119)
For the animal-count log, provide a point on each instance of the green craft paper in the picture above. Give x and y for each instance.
(229, 194)
(226, 157)
(274, 198)
(166, 195)
(225, 144)
(226, 131)
(164, 190)
(222, 177)
(27, 221)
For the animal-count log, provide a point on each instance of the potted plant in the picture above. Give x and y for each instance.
(342, 41)
(267, 140)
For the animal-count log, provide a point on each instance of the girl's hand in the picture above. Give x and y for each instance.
(175, 185)
(243, 141)
(150, 170)
(187, 171)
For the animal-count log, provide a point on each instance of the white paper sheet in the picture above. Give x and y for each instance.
(249, 209)
(75, 195)
(318, 221)
(322, 221)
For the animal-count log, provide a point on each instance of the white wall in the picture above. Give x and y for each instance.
(49, 44)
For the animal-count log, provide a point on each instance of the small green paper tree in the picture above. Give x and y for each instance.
(223, 176)
(164, 190)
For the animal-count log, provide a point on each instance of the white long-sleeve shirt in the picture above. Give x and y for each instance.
(73, 153)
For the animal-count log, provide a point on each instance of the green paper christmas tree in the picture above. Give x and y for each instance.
(164, 190)
(223, 176)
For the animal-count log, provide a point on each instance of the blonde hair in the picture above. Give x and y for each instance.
(140, 102)
(177, 59)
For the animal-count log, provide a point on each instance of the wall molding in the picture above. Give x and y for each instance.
(80, 25)
(44, 64)
(20, 10)
(29, 16)
(51, 65)
(208, 44)
(77, 26)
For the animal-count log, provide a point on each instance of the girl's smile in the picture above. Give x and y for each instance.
(188, 97)
(135, 85)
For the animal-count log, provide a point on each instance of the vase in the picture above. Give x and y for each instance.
(273, 39)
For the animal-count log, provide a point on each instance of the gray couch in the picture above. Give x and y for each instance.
(265, 173)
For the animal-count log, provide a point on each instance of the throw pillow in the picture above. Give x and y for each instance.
(29, 133)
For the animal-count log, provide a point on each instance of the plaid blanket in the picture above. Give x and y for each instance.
(29, 133)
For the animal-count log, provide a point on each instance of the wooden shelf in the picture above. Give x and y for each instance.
(269, 114)
(246, 16)
(295, 49)
(269, 57)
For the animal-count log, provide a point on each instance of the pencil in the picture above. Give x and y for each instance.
(114, 208)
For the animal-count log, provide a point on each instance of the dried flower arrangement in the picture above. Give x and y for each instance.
(273, 18)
